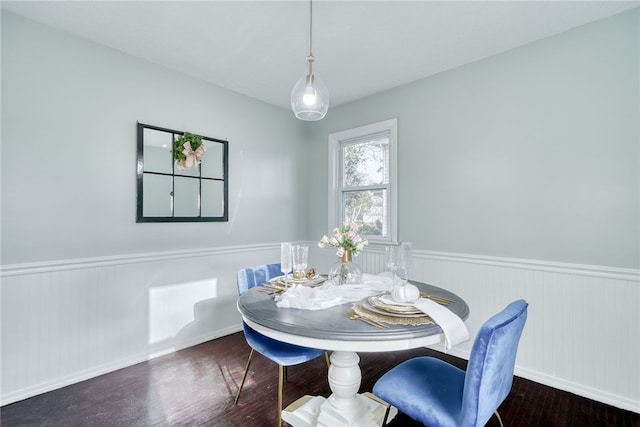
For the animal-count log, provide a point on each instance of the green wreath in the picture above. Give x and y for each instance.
(194, 140)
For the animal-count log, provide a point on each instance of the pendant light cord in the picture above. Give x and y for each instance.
(310, 58)
(310, 27)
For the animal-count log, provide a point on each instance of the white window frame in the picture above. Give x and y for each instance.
(335, 187)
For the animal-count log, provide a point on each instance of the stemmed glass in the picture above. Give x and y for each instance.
(285, 259)
(399, 261)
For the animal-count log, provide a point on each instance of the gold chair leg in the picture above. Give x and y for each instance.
(326, 359)
(244, 377)
(386, 414)
(499, 419)
(281, 372)
(381, 402)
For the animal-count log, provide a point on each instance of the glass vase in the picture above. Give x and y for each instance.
(345, 271)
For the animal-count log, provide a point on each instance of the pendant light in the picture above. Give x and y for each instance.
(310, 97)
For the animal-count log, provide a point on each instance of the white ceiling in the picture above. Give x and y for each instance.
(258, 48)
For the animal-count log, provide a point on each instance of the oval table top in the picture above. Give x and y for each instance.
(331, 329)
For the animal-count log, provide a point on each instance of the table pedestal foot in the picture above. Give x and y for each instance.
(313, 411)
(304, 411)
(345, 407)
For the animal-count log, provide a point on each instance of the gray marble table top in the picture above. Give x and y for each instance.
(259, 309)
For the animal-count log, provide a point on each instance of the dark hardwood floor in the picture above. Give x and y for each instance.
(196, 387)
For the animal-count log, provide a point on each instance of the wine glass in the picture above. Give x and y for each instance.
(285, 259)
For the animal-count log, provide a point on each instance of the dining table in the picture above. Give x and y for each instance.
(344, 336)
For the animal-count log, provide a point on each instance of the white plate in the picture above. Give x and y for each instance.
(374, 304)
(385, 302)
(317, 279)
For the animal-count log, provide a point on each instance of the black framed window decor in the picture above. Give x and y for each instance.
(182, 177)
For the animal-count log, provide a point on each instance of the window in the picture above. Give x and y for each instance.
(363, 179)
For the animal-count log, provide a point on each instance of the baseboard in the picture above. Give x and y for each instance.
(114, 366)
(76, 377)
(580, 390)
(558, 383)
(180, 345)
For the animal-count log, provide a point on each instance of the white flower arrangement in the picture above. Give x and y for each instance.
(345, 239)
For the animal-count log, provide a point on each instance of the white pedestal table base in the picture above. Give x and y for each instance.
(345, 407)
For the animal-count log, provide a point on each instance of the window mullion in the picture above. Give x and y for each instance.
(366, 188)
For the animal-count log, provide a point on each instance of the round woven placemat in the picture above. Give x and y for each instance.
(392, 320)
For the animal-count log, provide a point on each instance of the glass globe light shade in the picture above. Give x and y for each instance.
(310, 98)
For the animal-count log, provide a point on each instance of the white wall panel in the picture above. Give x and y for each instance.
(62, 323)
(65, 322)
(583, 328)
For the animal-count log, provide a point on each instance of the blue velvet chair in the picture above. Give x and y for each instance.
(438, 394)
(283, 354)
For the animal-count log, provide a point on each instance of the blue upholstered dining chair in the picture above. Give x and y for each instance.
(283, 354)
(438, 394)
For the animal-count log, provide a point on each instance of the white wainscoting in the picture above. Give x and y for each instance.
(63, 322)
(583, 329)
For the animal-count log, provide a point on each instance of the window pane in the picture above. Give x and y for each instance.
(157, 195)
(187, 200)
(157, 151)
(368, 209)
(212, 198)
(213, 160)
(366, 163)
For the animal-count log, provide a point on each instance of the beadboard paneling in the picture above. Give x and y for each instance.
(583, 328)
(68, 321)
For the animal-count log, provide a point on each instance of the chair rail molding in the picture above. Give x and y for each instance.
(81, 263)
(526, 264)
(538, 265)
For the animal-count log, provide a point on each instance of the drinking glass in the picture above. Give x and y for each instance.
(399, 260)
(300, 258)
(392, 257)
(406, 257)
(285, 258)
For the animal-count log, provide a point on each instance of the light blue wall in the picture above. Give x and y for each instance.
(533, 153)
(69, 112)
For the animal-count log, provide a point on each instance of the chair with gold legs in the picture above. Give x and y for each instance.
(283, 354)
(438, 394)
